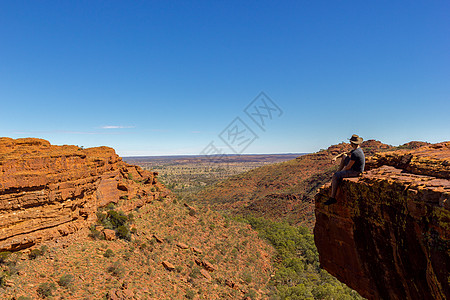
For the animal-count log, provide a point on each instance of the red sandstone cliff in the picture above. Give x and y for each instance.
(388, 235)
(47, 191)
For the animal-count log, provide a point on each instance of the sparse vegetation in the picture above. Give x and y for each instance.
(190, 294)
(195, 273)
(231, 246)
(37, 252)
(3, 277)
(65, 280)
(116, 269)
(115, 220)
(4, 256)
(298, 274)
(108, 253)
(46, 289)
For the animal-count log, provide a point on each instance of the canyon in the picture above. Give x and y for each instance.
(387, 237)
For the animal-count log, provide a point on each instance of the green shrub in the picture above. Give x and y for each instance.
(65, 280)
(34, 253)
(46, 289)
(116, 269)
(3, 276)
(251, 294)
(43, 249)
(127, 255)
(108, 253)
(195, 273)
(4, 256)
(190, 294)
(115, 220)
(247, 276)
(37, 252)
(130, 217)
(24, 298)
(123, 232)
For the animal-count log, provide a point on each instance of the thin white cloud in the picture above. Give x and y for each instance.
(116, 127)
(65, 132)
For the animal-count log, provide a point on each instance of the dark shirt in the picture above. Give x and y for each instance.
(360, 160)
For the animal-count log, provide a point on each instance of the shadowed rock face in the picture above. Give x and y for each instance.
(47, 191)
(388, 235)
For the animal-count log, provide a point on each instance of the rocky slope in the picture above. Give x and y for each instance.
(176, 251)
(48, 191)
(280, 191)
(388, 235)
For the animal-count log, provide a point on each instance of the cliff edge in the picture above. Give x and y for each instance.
(388, 235)
(47, 191)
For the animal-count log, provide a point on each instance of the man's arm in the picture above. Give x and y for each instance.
(337, 156)
(349, 165)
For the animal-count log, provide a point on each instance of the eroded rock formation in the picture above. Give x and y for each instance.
(388, 235)
(47, 191)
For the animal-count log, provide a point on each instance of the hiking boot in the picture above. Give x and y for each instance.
(330, 201)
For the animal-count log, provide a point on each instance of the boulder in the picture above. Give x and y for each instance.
(110, 235)
(168, 265)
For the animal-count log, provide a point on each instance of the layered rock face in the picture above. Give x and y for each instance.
(47, 191)
(388, 235)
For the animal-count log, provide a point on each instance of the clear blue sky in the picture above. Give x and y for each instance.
(167, 77)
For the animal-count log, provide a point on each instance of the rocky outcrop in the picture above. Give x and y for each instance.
(388, 235)
(47, 191)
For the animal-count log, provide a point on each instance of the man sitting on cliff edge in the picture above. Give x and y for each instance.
(352, 165)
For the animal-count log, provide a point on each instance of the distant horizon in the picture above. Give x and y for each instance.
(197, 155)
(229, 154)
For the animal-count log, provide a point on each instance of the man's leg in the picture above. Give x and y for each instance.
(337, 178)
(334, 184)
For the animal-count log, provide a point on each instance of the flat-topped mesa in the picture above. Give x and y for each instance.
(388, 235)
(47, 191)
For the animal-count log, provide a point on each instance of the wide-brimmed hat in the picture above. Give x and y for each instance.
(356, 139)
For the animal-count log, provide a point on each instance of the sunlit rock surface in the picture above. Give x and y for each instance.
(47, 191)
